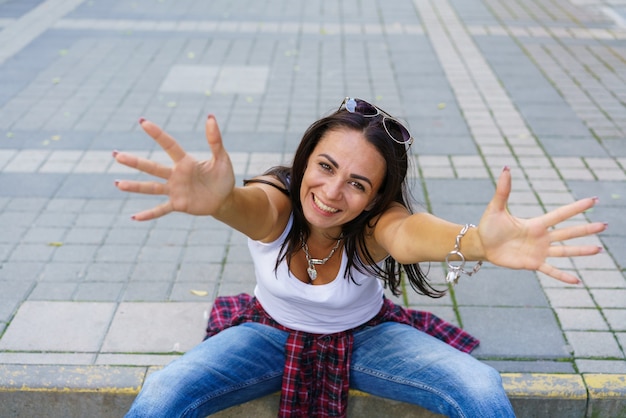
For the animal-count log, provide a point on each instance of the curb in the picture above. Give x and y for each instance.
(108, 391)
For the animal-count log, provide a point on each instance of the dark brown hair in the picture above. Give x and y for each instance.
(393, 189)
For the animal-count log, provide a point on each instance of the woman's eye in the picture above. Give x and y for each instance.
(325, 166)
(358, 185)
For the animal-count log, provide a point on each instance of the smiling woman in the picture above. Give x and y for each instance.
(326, 234)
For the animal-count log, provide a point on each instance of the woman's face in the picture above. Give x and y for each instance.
(342, 178)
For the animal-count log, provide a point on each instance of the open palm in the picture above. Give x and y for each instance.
(526, 243)
(194, 187)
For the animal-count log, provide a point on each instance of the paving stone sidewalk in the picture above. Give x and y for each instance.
(539, 86)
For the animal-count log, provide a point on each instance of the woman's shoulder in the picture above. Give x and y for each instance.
(276, 177)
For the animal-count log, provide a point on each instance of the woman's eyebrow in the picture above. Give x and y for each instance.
(354, 176)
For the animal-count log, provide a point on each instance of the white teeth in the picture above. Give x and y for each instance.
(323, 206)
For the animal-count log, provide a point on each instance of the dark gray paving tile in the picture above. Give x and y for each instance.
(98, 292)
(89, 186)
(459, 212)
(460, 191)
(147, 292)
(30, 184)
(61, 291)
(558, 145)
(64, 272)
(108, 272)
(500, 287)
(523, 366)
(515, 332)
(154, 272)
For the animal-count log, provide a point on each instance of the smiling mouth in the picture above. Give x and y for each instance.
(324, 207)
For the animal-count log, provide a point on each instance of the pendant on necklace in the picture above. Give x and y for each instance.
(312, 272)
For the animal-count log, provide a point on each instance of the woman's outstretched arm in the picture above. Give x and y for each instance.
(204, 187)
(500, 238)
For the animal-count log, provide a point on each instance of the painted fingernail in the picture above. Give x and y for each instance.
(134, 218)
(600, 249)
(117, 182)
(211, 116)
(506, 168)
(142, 120)
(115, 152)
(595, 199)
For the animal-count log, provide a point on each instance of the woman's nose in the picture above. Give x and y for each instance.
(333, 188)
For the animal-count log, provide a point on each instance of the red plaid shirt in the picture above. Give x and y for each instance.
(316, 375)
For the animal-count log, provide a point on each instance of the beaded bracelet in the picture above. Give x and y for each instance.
(455, 271)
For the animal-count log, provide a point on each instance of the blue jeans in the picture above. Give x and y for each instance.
(390, 360)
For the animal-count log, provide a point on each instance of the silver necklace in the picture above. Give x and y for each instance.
(312, 262)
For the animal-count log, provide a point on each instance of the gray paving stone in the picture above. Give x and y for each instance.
(13, 219)
(170, 237)
(154, 271)
(521, 332)
(594, 344)
(204, 254)
(95, 220)
(119, 253)
(195, 272)
(108, 272)
(540, 366)
(616, 247)
(56, 359)
(146, 292)
(8, 306)
(563, 147)
(53, 291)
(12, 234)
(569, 298)
(126, 236)
(610, 298)
(32, 252)
(603, 278)
(74, 253)
(460, 191)
(581, 319)
(193, 291)
(132, 329)
(601, 366)
(616, 318)
(85, 235)
(20, 271)
(99, 292)
(38, 325)
(88, 186)
(505, 288)
(63, 272)
(55, 219)
(30, 185)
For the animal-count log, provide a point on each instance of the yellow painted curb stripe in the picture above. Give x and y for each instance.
(603, 386)
(543, 385)
(117, 391)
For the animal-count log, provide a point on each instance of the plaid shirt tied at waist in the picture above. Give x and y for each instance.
(316, 376)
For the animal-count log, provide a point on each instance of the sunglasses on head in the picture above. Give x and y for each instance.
(396, 130)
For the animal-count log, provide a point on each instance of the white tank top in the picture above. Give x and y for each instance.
(322, 309)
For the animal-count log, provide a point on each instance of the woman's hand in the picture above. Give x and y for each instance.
(526, 243)
(194, 187)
